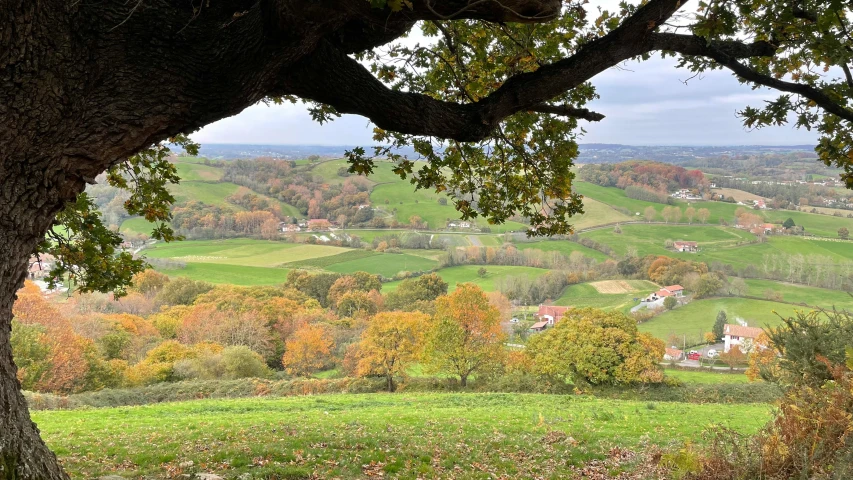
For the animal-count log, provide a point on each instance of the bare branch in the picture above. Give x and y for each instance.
(569, 111)
(727, 53)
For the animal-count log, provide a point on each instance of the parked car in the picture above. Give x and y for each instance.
(712, 353)
(513, 320)
(694, 356)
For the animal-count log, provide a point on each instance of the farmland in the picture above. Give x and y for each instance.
(407, 435)
(469, 274)
(587, 295)
(561, 246)
(697, 317)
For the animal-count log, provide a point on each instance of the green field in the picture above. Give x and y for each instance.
(820, 297)
(562, 246)
(586, 295)
(209, 193)
(649, 239)
(468, 274)
(328, 170)
(404, 435)
(257, 255)
(243, 252)
(402, 196)
(136, 225)
(697, 317)
(197, 172)
(823, 225)
(231, 274)
(597, 213)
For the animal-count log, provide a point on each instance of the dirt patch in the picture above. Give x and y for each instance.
(613, 286)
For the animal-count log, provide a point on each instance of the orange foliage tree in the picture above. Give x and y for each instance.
(307, 350)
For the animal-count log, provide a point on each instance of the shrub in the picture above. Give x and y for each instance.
(242, 362)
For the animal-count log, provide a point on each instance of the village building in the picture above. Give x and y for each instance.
(290, 227)
(676, 291)
(539, 326)
(734, 335)
(686, 247)
(551, 313)
(673, 354)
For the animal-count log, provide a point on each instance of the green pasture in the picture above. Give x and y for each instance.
(819, 297)
(209, 193)
(597, 213)
(650, 239)
(385, 264)
(230, 274)
(564, 247)
(405, 435)
(586, 295)
(136, 225)
(198, 172)
(468, 274)
(402, 196)
(697, 317)
(242, 252)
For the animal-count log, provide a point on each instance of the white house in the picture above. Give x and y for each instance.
(734, 335)
(550, 313)
(685, 246)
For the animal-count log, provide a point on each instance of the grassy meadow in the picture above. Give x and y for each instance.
(468, 274)
(404, 435)
(231, 274)
(822, 225)
(586, 295)
(564, 247)
(697, 317)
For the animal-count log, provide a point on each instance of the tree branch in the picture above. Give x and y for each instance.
(328, 76)
(727, 53)
(569, 111)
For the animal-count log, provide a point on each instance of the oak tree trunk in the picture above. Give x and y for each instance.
(26, 210)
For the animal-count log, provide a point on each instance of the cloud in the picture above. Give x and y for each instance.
(646, 103)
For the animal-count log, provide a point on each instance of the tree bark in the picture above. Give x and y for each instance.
(26, 211)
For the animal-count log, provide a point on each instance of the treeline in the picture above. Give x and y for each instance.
(174, 330)
(787, 196)
(809, 269)
(509, 254)
(643, 193)
(197, 220)
(660, 177)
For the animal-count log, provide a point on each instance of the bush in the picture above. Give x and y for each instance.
(242, 362)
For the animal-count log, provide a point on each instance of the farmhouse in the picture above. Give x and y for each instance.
(290, 227)
(686, 246)
(550, 314)
(673, 354)
(768, 228)
(734, 335)
(669, 291)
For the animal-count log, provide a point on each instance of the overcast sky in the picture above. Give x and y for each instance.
(645, 103)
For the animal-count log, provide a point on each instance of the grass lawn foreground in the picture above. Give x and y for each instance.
(403, 435)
